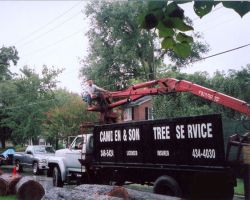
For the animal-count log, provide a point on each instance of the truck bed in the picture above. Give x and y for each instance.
(169, 143)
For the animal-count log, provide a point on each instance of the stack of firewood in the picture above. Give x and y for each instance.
(24, 187)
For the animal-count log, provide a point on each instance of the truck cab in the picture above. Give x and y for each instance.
(65, 167)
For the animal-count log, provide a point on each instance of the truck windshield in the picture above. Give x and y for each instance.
(43, 149)
(80, 140)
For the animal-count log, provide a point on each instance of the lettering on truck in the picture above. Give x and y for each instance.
(132, 134)
(188, 131)
(194, 131)
(196, 136)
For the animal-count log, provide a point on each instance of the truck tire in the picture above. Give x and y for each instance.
(35, 168)
(167, 185)
(19, 167)
(57, 178)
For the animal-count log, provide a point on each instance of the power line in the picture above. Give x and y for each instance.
(50, 30)
(52, 44)
(50, 22)
(217, 54)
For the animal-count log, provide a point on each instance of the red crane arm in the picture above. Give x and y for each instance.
(170, 85)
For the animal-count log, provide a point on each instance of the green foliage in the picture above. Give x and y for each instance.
(25, 99)
(240, 7)
(170, 20)
(197, 49)
(182, 49)
(30, 107)
(9, 197)
(8, 55)
(20, 148)
(202, 8)
(65, 117)
(234, 83)
(239, 189)
(121, 51)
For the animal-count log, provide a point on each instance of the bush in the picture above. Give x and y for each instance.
(20, 148)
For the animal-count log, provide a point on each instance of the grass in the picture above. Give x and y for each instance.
(10, 197)
(239, 189)
(144, 188)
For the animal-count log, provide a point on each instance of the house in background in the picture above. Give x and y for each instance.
(141, 109)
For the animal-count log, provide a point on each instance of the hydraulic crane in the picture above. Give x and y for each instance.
(108, 101)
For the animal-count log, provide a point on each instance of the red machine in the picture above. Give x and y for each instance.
(108, 101)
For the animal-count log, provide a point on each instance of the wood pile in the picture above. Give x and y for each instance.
(24, 187)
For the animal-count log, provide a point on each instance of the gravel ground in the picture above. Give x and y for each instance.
(47, 182)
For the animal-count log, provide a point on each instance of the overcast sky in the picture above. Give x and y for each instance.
(53, 33)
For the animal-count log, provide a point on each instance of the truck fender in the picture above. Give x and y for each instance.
(167, 185)
(60, 164)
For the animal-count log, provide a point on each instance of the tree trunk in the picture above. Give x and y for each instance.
(3, 142)
(28, 189)
(8, 183)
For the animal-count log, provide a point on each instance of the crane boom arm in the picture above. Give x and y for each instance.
(167, 86)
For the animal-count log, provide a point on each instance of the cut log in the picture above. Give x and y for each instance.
(120, 192)
(8, 183)
(28, 189)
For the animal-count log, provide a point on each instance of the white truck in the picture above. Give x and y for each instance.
(65, 167)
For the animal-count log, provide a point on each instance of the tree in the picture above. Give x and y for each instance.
(7, 90)
(120, 50)
(25, 110)
(169, 19)
(234, 83)
(65, 117)
(7, 55)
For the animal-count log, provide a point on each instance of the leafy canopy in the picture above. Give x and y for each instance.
(169, 19)
(235, 83)
(8, 55)
(120, 51)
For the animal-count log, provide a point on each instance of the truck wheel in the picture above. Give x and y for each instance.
(57, 178)
(35, 168)
(19, 167)
(166, 185)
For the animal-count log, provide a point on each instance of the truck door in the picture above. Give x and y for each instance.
(28, 156)
(75, 152)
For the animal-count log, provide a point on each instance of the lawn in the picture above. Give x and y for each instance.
(239, 189)
(10, 197)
